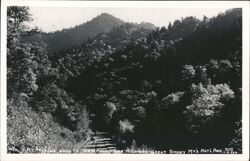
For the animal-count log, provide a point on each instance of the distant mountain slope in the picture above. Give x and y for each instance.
(75, 36)
(73, 61)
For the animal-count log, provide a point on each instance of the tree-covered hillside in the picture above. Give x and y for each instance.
(176, 87)
(180, 83)
(75, 36)
(61, 40)
(73, 61)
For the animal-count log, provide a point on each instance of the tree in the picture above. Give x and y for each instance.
(173, 98)
(126, 126)
(206, 106)
(82, 126)
(213, 67)
(170, 26)
(126, 129)
(236, 141)
(201, 75)
(110, 108)
(188, 72)
(16, 17)
(26, 62)
(225, 66)
(20, 58)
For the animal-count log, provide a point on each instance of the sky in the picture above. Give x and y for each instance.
(50, 19)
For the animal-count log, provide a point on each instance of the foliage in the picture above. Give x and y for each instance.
(173, 98)
(73, 62)
(236, 142)
(188, 72)
(34, 100)
(207, 105)
(125, 126)
(148, 88)
(31, 132)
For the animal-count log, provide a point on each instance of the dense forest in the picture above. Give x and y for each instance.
(175, 87)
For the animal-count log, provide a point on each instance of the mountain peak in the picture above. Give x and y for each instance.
(106, 14)
(108, 17)
(75, 36)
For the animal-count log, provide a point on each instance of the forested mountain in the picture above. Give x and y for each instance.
(75, 36)
(175, 87)
(60, 40)
(73, 61)
(170, 85)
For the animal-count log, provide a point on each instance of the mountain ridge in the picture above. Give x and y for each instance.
(67, 38)
(75, 36)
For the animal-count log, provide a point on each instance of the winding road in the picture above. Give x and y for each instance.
(99, 143)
